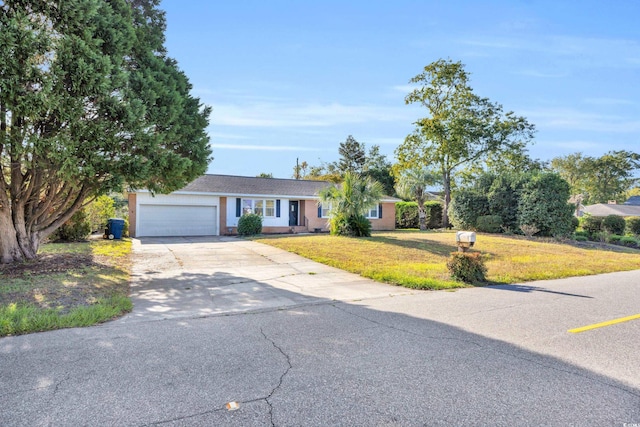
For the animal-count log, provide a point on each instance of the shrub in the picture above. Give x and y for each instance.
(633, 225)
(581, 234)
(75, 229)
(613, 224)
(629, 241)
(614, 238)
(353, 226)
(249, 224)
(489, 223)
(467, 267)
(580, 238)
(543, 204)
(466, 207)
(591, 224)
(407, 215)
(434, 214)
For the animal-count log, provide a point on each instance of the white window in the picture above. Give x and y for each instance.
(372, 213)
(262, 207)
(326, 210)
(270, 208)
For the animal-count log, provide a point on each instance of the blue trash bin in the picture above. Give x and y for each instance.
(115, 227)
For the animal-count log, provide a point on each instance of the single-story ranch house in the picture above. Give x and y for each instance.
(212, 205)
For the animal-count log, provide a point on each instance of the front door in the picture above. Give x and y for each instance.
(293, 213)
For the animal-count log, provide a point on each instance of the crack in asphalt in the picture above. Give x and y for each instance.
(497, 350)
(277, 387)
(243, 402)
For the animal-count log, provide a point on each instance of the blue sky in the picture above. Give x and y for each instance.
(292, 79)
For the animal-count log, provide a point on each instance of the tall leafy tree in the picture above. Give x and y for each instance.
(349, 202)
(413, 185)
(599, 179)
(461, 127)
(89, 102)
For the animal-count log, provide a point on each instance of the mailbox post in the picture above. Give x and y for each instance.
(465, 240)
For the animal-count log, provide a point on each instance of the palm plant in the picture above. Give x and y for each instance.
(349, 201)
(412, 185)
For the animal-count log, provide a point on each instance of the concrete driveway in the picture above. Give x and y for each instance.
(175, 277)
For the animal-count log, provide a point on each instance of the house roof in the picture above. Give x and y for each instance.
(603, 209)
(253, 186)
(633, 200)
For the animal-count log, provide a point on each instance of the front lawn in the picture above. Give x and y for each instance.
(418, 259)
(68, 285)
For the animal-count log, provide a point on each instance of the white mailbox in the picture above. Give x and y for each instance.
(465, 240)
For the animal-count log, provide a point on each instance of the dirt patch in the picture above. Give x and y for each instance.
(63, 281)
(46, 264)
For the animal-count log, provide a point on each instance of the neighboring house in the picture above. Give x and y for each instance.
(212, 205)
(603, 209)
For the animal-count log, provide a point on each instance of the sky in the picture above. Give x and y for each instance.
(291, 80)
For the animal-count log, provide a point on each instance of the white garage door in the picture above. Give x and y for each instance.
(174, 220)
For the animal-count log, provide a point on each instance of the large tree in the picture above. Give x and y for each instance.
(89, 102)
(599, 179)
(461, 127)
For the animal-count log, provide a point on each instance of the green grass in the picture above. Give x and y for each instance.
(69, 285)
(23, 318)
(418, 259)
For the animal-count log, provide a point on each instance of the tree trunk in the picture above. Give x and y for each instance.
(422, 215)
(447, 199)
(10, 249)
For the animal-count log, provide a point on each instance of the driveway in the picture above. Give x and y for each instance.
(176, 277)
(302, 351)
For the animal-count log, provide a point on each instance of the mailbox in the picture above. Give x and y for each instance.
(465, 240)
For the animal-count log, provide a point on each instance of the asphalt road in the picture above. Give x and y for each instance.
(474, 357)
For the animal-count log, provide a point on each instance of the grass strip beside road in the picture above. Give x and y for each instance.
(68, 285)
(417, 259)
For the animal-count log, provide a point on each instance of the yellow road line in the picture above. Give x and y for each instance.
(603, 324)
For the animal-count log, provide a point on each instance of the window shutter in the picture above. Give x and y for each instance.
(277, 208)
(319, 211)
(238, 209)
(379, 210)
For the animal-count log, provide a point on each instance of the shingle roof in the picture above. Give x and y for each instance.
(252, 186)
(245, 185)
(603, 209)
(633, 200)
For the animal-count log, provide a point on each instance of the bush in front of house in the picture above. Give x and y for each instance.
(629, 241)
(591, 224)
(249, 225)
(633, 225)
(352, 226)
(614, 224)
(433, 209)
(407, 215)
(489, 223)
(467, 267)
